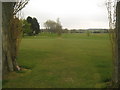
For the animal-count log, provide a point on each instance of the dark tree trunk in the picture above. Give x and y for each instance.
(8, 44)
(0, 45)
(117, 61)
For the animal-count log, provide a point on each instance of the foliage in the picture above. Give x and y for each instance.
(34, 25)
(26, 27)
(54, 27)
(31, 26)
(51, 25)
(65, 30)
(29, 19)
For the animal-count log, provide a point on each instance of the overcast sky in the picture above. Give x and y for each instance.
(72, 13)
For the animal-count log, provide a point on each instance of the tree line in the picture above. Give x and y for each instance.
(31, 26)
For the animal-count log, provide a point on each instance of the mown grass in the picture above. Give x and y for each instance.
(69, 61)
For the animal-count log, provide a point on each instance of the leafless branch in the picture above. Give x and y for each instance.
(19, 6)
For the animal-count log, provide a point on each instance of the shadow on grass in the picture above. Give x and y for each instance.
(11, 76)
(4, 82)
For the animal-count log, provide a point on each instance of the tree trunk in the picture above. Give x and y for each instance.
(118, 40)
(117, 61)
(0, 45)
(8, 46)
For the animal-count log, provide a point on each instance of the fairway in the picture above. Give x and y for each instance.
(69, 61)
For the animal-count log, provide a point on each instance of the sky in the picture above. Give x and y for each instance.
(73, 14)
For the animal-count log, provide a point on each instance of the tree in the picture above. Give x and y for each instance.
(29, 20)
(50, 25)
(35, 27)
(117, 61)
(58, 27)
(11, 32)
(65, 30)
(114, 32)
(54, 27)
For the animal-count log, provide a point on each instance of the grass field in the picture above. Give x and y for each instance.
(69, 61)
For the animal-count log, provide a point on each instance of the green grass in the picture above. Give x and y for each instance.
(69, 61)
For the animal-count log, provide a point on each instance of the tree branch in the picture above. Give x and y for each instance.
(19, 6)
